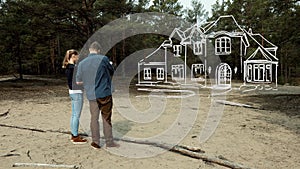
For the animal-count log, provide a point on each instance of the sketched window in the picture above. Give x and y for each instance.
(160, 73)
(177, 49)
(249, 74)
(268, 73)
(147, 73)
(259, 72)
(223, 46)
(197, 48)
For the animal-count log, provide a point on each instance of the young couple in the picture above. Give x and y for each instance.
(93, 74)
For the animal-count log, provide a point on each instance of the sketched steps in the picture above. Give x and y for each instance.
(167, 93)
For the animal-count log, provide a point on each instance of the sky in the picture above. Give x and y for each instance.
(207, 4)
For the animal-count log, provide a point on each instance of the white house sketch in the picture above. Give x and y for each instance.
(253, 57)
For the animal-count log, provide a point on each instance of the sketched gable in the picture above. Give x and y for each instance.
(195, 41)
(226, 39)
(151, 69)
(190, 38)
(263, 42)
(224, 29)
(262, 64)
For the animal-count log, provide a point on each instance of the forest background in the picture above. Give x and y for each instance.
(36, 33)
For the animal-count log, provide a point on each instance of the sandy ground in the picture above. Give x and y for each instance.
(265, 138)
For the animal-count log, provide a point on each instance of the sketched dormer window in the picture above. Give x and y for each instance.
(223, 46)
(177, 49)
(197, 48)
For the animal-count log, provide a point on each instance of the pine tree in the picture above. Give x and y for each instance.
(197, 12)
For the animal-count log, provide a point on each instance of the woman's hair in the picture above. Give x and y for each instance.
(68, 56)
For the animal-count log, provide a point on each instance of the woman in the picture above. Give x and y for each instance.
(75, 92)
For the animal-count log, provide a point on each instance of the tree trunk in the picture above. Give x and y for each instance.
(18, 54)
(289, 74)
(58, 49)
(88, 26)
(286, 69)
(52, 55)
(114, 55)
(123, 52)
(281, 68)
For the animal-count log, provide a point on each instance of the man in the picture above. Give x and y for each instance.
(95, 73)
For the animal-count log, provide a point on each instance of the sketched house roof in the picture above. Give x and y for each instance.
(249, 39)
(224, 25)
(194, 33)
(261, 43)
(159, 53)
(232, 28)
(261, 54)
(184, 37)
(176, 34)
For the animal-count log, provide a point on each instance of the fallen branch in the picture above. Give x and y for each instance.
(189, 151)
(215, 160)
(44, 165)
(22, 128)
(5, 114)
(28, 155)
(9, 155)
(39, 130)
(162, 145)
(235, 104)
(194, 149)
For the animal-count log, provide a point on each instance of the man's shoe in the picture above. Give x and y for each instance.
(95, 146)
(78, 140)
(112, 144)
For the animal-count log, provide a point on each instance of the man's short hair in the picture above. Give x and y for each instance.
(95, 46)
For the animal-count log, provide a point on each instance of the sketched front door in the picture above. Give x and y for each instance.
(223, 75)
(197, 73)
(177, 72)
(259, 72)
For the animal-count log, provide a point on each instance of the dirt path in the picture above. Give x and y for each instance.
(264, 138)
